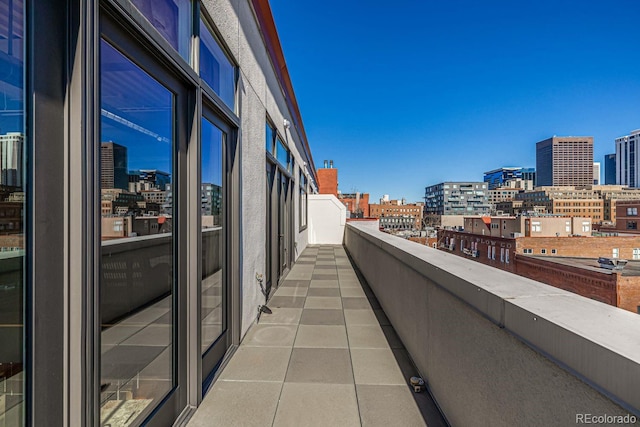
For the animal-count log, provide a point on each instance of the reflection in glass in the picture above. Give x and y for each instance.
(269, 141)
(136, 278)
(215, 68)
(172, 19)
(282, 154)
(12, 197)
(213, 292)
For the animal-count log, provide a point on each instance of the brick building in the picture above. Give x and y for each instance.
(524, 226)
(357, 204)
(405, 215)
(568, 263)
(328, 179)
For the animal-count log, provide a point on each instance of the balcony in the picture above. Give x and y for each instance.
(352, 323)
(326, 356)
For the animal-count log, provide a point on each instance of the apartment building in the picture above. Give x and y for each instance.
(502, 176)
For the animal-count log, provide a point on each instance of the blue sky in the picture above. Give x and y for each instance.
(406, 94)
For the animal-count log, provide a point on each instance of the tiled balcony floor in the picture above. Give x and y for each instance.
(327, 356)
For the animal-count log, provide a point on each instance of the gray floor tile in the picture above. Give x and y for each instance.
(332, 283)
(388, 405)
(376, 366)
(291, 291)
(312, 316)
(360, 317)
(317, 405)
(352, 292)
(324, 276)
(323, 302)
(323, 292)
(227, 403)
(286, 302)
(297, 283)
(258, 364)
(355, 303)
(321, 336)
(366, 336)
(270, 336)
(320, 365)
(282, 316)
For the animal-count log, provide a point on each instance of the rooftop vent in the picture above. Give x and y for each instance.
(612, 263)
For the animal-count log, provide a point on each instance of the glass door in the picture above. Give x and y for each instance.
(214, 289)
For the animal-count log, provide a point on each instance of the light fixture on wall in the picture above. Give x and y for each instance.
(287, 124)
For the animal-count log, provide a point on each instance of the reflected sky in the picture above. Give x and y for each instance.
(211, 154)
(136, 112)
(11, 66)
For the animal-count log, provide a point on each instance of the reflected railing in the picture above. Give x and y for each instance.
(11, 314)
(137, 321)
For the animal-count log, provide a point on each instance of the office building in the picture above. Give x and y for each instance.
(627, 158)
(596, 173)
(610, 169)
(564, 161)
(114, 171)
(11, 159)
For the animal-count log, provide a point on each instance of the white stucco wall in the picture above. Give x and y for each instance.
(327, 218)
(259, 96)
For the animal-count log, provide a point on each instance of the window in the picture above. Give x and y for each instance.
(215, 67)
(270, 139)
(282, 154)
(543, 251)
(632, 211)
(493, 252)
(13, 144)
(567, 227)
(140, 139)
(501, 254)
(303, 200)
(615, 252)
(536, 226)
(172, 19)
(554, 251)
(586, 226)
(506, 256)
(632, 225)
(636, 253)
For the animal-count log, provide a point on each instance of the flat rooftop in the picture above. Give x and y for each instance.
(631, 269)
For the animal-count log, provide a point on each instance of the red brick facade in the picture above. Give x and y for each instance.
(584, 247)
(605, 286)
(328, 181)
(356, 207)
(600, 286)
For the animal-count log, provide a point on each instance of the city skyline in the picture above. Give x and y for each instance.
(457, 87)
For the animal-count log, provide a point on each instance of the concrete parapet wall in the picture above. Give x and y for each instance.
(499, 349)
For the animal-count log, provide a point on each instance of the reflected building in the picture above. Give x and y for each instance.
(113, 163)
(11, 159)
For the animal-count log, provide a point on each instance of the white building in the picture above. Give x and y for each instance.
(627, 172)
(596, 173)
(11, 158)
